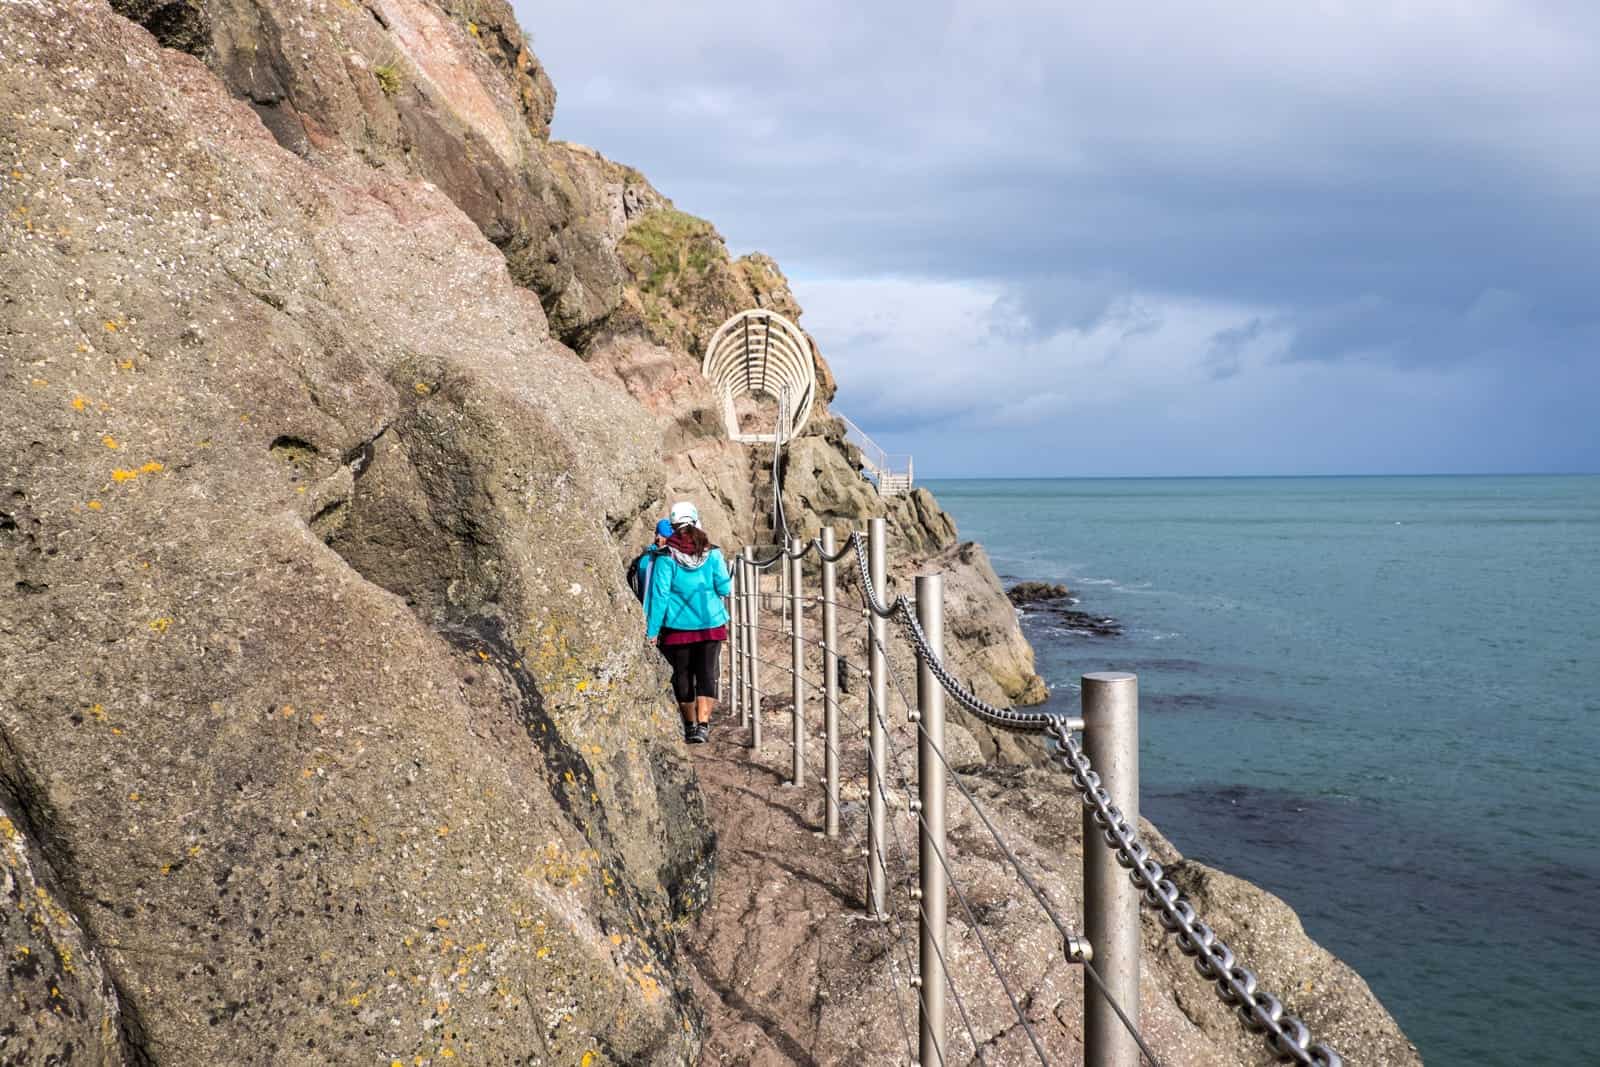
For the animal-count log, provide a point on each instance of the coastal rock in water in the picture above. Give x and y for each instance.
(1032, 592)
(1056, 603)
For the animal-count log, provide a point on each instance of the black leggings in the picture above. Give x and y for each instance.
(694, 669)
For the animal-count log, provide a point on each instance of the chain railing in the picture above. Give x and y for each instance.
(1104, 953)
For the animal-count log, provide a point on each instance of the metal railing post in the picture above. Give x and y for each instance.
(752, 619)
(1110, 900)
(797, 666)
(932, 854)
(830, 686)
(735, 635)
(877, 695)
(747, 579)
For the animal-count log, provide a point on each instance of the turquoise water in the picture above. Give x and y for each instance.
(1377, 697)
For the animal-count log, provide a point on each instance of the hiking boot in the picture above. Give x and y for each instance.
(691, 734)
(705, 732)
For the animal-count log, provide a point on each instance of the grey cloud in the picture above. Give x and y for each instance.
(1413, 190)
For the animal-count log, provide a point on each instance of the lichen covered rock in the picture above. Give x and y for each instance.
(322, 685)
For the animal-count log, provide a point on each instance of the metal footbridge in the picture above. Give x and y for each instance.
(760, 355)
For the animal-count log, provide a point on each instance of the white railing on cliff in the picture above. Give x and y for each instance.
(891, 473)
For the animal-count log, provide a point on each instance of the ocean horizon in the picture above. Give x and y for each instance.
(1377, 696)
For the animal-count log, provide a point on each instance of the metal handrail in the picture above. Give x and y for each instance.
(1286, 1036)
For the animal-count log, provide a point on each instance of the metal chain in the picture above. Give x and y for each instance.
(1286, 1036)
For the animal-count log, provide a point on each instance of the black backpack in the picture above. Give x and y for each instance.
(639, 572)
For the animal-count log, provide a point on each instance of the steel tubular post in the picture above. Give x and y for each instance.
(797, 666)
(747, 634)
(1110, 899)
(735, 635)
(753, 646)
(930, 789)
(830, 685)
(877, 744)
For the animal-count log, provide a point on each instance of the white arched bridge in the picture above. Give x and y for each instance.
(761, 355)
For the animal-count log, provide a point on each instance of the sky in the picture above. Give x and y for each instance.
(1170, 238)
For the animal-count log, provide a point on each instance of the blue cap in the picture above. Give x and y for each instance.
(664, 528)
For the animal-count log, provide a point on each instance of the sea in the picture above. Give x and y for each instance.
(1377, 697)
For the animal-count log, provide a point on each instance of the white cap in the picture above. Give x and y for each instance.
(684, 513)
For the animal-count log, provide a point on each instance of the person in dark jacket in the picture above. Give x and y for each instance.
(685, 613)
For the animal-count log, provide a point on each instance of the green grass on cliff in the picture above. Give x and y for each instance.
(666, 245)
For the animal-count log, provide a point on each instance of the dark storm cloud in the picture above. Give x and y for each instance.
(1359, 184)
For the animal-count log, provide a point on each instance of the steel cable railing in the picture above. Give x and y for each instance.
(1071, 942)
(894, 929)
(955, 885)
(1286, 1036)
(901, 851)
(961, 896)
(912, 805)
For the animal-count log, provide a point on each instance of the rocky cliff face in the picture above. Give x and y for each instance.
(333, 397)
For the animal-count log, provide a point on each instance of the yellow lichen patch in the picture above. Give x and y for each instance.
(616, 939)
(98, 711)
(287, 711)
(595, 750)
(8, 830)
(124, 364)
(79, 402)
(588, 1058)
(109, 441)
(166, 868)
(442, 923)
(133, 796)
(647, 985)
(444, 831)
(423, 389)
(160, 626)
(472, 28)
(544, 951)
(112, 326)
(483, 655)
(194, 850)
(582, 684)
(151, 468)
(93, 505)
(121, 475)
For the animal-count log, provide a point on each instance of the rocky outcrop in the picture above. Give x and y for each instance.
(323, 693)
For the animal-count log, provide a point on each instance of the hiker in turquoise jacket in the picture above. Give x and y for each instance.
(685, 612)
